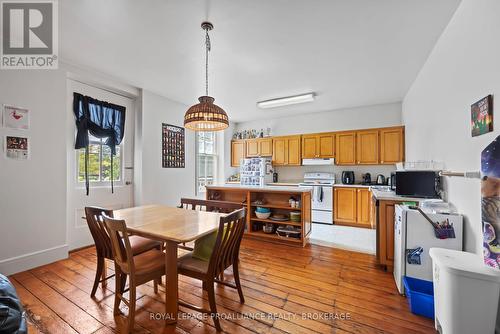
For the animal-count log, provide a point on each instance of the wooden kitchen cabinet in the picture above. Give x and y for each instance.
(286, 151)
(252, 148)
(392, 145)
(363, 203)
(321, 145)
(237, 152)
(345, 205)
(352, 206)
(367, 144)
(259, 147)
(345, 148)
(265, 147)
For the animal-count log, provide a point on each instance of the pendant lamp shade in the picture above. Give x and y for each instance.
(206, 116)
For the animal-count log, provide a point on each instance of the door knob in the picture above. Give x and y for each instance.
(127, 183)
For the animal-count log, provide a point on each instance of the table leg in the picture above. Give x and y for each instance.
(172, 287)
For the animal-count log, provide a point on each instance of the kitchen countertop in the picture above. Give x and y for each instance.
(294, 189)
(285, 183)
(391, 196)
(341, 185)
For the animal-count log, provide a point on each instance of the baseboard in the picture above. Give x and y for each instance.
(32, 260)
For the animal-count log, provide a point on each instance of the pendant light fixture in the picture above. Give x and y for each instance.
(206, 116)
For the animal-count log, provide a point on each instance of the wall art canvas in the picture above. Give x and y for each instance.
(482, 116)
(173, 152)
(490, 203)
(16, 118)
(16, 148)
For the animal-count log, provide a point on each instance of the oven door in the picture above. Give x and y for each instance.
(321, 203)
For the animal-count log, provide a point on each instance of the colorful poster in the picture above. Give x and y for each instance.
(16, 148)
(173, 155)
(482, 116)
(490, 203)
(16, 118)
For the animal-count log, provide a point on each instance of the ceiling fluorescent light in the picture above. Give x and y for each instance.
(285, 101)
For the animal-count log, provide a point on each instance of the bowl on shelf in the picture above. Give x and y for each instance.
(262, 215)
(268, 228)
(262, 210)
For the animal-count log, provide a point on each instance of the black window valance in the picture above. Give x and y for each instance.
(100, 119)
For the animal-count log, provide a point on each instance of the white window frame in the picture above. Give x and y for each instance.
(81, 184)
(215, 156)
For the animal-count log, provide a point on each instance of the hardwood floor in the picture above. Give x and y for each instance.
(341, 291)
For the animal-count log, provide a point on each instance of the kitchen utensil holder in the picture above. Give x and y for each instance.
(441, 232)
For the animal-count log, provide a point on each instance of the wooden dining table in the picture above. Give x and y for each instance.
(172, 226)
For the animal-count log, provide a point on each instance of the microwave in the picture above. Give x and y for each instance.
(418, 183)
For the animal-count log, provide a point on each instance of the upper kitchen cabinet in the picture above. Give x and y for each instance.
(259, 147)
(367, 152)
(321, 145)
(286, 151)
(237, 152)
(346, 148)
(392, 145)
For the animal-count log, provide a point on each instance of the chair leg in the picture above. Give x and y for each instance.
(118, 290)
(104, 273)
(155, 285)
(98, 273)
(236, 274)
(213, 305)
(131, 308)
(123, 282)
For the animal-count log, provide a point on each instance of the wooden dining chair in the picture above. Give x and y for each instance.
(140, 269)
(102, 243)
(210, 205)
(225, 254)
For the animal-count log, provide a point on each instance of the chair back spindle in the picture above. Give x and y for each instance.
(227, 244)
(122, 251)
(101, 238)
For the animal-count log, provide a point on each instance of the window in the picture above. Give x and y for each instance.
(99, 166)
(206, 159)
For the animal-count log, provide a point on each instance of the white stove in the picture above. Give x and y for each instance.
(321, 185)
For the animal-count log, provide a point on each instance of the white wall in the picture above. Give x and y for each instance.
(336, 120)
(463, 67)
(162, 185)
(33, 192)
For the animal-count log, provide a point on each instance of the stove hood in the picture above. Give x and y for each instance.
(318, 162)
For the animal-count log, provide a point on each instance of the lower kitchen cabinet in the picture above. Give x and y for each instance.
(364, 206)
(384, 220)
(345, 208)
(385, 234)
(352, 207)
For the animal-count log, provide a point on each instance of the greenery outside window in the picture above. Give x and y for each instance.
(99, 165)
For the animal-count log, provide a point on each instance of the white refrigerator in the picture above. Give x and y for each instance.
(412, 234)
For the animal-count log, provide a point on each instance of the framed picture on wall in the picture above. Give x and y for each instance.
(16, 148)
(173, 151)
(16, 118)
(482, 116)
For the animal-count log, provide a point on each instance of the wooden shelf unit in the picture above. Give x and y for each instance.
(277, 201)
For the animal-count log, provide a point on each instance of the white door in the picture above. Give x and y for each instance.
(100, 186)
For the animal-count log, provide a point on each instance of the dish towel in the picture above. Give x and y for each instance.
(317, 194)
